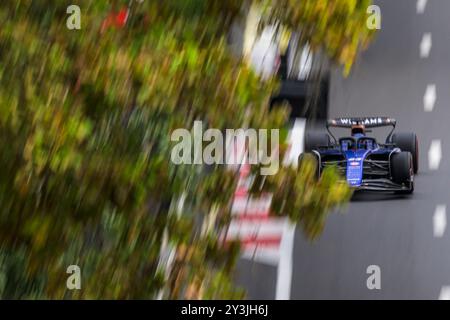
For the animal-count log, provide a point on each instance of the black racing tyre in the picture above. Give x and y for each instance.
(408, 142)
(314, 140)
(308, 156)
(402, 169)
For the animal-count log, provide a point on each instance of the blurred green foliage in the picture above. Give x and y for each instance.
(85, 123)
(336, 27)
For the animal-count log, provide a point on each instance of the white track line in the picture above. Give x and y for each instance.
(445, 293)
(425, 45)
(429, 98)
(439, 221)
(435, 155)
(296, 142)
(284, 272)
(279, 256)
(421, 5)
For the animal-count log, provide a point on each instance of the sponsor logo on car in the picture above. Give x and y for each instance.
(365, 121)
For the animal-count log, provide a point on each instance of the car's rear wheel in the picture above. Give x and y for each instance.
(402, 170)
(314, 140)
(408, 142)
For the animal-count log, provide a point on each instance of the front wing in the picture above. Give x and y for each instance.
(376, 176)
(382, 185)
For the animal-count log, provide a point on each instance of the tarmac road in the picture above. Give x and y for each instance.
(401, 235)
(395, 233)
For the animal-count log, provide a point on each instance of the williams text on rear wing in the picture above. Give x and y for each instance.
(368, 122)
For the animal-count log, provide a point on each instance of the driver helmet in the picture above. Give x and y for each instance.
(358, 131)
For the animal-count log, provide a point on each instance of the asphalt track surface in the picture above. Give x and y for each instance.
(396, 233)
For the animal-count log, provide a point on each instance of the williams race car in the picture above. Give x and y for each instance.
(366, 163)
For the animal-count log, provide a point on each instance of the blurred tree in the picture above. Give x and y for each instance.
(338, 28)
(85, 123)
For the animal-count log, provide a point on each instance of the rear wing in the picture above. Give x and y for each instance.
(368, 122)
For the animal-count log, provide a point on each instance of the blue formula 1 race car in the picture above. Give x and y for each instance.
(366, 163)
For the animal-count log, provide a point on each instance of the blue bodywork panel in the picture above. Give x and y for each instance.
(355, 160)
(355, 155)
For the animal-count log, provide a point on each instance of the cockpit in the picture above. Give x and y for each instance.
(358, 140)
(355, 143)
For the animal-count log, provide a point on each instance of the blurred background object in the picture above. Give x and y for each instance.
(85, 123)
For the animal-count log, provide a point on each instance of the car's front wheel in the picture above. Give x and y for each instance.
(408, 142)
(402, 170)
